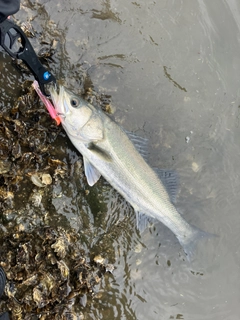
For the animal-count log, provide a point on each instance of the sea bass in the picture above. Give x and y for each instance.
(108, 151)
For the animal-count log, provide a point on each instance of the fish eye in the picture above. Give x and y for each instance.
(74, 102)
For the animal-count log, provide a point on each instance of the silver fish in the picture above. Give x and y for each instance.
(108, 151)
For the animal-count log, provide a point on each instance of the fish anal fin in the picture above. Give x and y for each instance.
(142, 221)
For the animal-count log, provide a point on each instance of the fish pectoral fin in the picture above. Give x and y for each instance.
(92, 174)
(169, 179)
(142, 221)
(102, 154)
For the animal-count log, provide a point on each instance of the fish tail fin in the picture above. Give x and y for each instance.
(190, 243)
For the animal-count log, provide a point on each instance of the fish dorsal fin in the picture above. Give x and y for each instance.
(92, 174)
(169, 179)
(141, 144)
(142, 221)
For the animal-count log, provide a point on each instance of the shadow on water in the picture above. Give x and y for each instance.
(170, 70)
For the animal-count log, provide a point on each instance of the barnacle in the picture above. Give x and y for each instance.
(98, 259)
(61, 246)
(63, 269)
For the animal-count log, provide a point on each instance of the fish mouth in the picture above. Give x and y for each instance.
(58, 99)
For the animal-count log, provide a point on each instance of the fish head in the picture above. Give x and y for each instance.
(73, 111)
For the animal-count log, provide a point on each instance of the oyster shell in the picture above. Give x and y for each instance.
(41, 179)
(48, 273)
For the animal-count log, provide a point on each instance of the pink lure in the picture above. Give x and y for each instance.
(47, 103)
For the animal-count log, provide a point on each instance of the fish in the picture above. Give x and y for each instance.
(120, 158)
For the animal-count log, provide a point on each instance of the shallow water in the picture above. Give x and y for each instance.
(172, 70)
